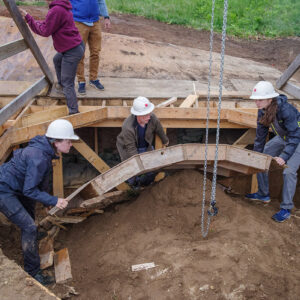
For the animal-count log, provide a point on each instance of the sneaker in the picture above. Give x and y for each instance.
(282, 215)
(97, 85)
(43, 279)
(258, 197)
(81, 88)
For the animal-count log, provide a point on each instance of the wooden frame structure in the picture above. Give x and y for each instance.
(283, 84)
(16, 47)
(178, 157)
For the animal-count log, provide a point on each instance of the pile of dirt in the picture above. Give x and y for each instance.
(246, 255)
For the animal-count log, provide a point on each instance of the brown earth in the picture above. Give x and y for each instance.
(245, 256)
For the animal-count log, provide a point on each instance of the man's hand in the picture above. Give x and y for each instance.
(107, 24)
(279, 160)
(61, 203)
(23, 12)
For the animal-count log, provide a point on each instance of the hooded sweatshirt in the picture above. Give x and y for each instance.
(27, 173)
(60, 24)
(286, 125)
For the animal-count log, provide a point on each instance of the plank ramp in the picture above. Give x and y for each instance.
(179, 157)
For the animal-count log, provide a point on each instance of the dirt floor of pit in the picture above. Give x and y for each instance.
(245, 256)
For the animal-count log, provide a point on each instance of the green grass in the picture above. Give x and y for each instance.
(269, 18)
(35, 3)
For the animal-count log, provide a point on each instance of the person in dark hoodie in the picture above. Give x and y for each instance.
(274, 111)
(67, 42)
(24, 181)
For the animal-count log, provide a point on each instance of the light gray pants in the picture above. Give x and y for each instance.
(274, 147)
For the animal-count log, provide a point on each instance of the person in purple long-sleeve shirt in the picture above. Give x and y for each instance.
(67, 42)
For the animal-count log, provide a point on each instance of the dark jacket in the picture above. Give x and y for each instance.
(60, 24)
(286, 125)
(89, 10)
(127, 140)
(27, 173)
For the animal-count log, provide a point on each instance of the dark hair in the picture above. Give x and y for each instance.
(270, 113)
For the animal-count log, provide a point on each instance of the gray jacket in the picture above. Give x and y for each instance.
(127, 140)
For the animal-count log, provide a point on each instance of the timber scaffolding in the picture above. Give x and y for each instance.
(30, 113)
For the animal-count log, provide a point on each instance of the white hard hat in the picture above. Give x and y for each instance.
(263, 90)
(61, 129)
(141, 106)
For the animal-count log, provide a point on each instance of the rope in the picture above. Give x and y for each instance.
(213, 209)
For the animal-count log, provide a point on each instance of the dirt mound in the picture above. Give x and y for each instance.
(246, 255)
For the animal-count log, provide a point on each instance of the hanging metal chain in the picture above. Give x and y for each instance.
(213, 210)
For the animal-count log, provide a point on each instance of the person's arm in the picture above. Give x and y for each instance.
(48, 26)
(161, 133)
(290, 121)
(104, 13)
(35, 172)
(261, 134)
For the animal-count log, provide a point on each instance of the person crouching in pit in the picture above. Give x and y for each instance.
(24, 180)
(137, 136)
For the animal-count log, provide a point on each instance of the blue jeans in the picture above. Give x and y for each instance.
(144, 179)
(274, 147)
(65, 67)
(20, 211)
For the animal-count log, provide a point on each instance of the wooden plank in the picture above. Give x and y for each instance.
(167, 102)
(62, 266)
(58, 181)
(254, 184)
(30, 41)
(243, 118)
(103, 200)
(189, 101)
(12, 48)
(246, 139)
(292, 90)
(95, 160)
(20, 101)
(46, 252)
(288, 73)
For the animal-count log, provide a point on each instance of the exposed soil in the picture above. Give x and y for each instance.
(245, 256)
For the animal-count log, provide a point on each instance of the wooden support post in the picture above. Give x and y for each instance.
(95, 160)
(58, 182)
(254, 184)
(189, 101)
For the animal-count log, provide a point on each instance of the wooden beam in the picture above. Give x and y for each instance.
(62, 266)
(30, 41)
(95, 160)
(58, 181)
(189, 101)
(254, 184)
(12, 48)
(20, 101)
(240, 117)
(246, 139)
(288, 73)
(292, 90)
(167, 102)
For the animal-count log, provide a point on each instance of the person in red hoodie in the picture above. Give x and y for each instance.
(67, 42)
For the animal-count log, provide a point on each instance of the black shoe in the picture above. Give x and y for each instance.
(43, 279)
(81, 88)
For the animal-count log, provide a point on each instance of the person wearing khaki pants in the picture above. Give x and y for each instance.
(87, 19)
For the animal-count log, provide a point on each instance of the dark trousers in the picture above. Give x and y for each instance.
(20, 211)
(65, 67)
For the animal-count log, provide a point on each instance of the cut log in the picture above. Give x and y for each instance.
(62, 266)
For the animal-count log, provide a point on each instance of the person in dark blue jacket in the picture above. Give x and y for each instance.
(24, 180)
(284, 120)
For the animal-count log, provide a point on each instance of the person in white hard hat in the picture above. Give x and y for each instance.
(274, 111)
(138, 134)
(24, 181)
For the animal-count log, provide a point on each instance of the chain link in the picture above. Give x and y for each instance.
(213, 210)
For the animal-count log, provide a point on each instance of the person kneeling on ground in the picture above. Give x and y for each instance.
(24, 180)
(67, 42)
(284, 119)
(137, 135)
